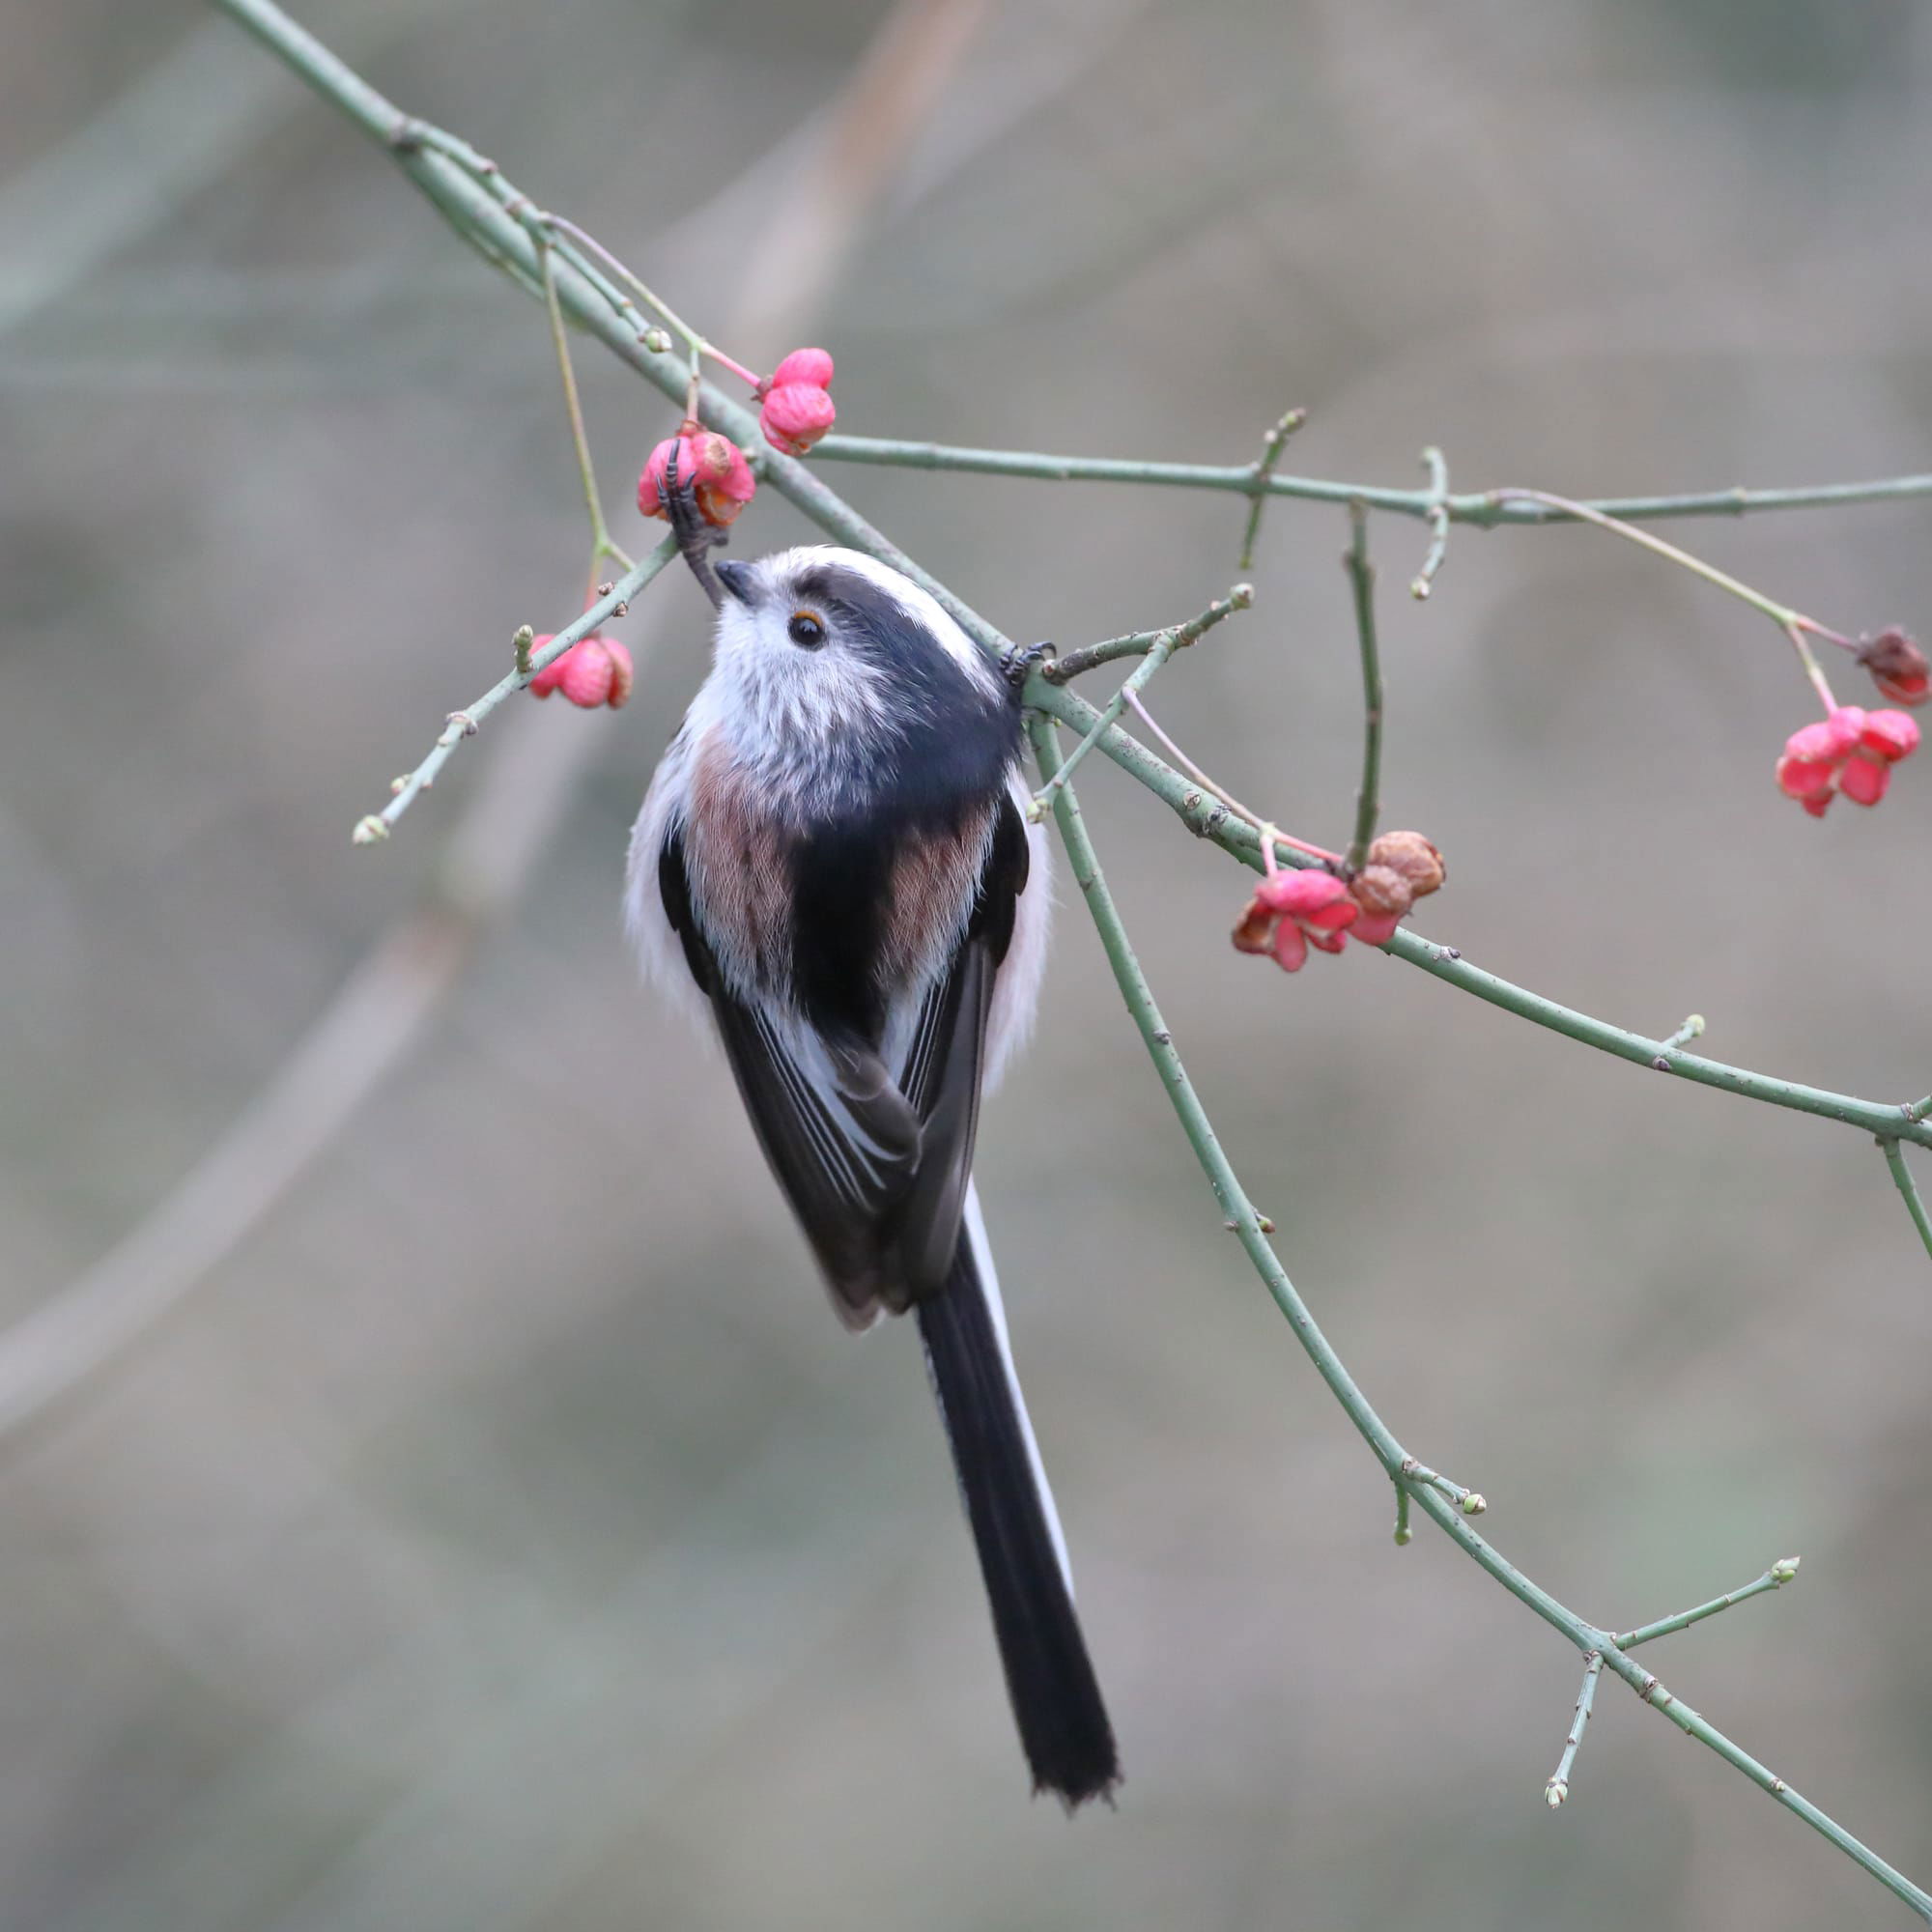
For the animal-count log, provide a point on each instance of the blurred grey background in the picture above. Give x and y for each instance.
(503, 1534)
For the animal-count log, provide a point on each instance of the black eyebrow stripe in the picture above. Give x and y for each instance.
(850, 595)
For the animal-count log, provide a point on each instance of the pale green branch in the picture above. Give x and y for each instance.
(1485, 508)
(1470, 1501)
(1137, 643)
(1161, 646)
(1776, 1578)
(1208, 818)
(1362, 584)
(526, 664)
(1438, 495)
(1558, 1787)
(1901, 1175)
(601, 545)
(1257, 479)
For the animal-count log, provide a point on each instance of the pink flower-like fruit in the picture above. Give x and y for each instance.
(715, 467)
(594, 670)
(1291, 911)
(1850, 751)
(803, 365)
(796, 411)
(795, 415)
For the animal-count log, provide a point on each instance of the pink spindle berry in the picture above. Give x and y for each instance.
(594, 670)
(1891, 734)
(795, 415)
(1291, 911)
(1850, 751)
(715, 467)
(546, 680)
(1864, 780)
(796, 410)
(803, 365)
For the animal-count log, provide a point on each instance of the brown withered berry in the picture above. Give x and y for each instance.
(1381, 889)
(1414, 857)
(1898, 666)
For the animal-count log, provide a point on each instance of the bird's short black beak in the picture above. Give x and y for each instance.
(736, 578)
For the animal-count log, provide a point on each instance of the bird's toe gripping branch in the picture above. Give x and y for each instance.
(1017, 661)
(696, 537)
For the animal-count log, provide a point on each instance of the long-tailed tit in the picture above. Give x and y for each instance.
(834, 857)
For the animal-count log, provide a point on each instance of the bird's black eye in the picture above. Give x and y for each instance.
(805, 629)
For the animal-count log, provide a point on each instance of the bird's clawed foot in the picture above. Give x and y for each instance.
(696, 539)
(1017, 661)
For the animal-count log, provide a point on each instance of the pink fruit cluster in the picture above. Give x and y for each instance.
(594, 670)
(795, 410)
(712, 465)
(1850, 751)
(1291, 911)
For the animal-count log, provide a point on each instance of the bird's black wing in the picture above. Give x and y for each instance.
(839, 1135)
(876, 1168)
(945, 1063)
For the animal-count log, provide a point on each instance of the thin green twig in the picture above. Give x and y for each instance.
(525, 664)
(601, 545)
(1437, 467)
(1362, 584)
(1558, 1787)
(1470, 1502)
(1901, 1175)
(1776, 1578)
(1137, 643)
(1131, 687)
(1485, 508)
(1209, 818)
(585, 253)
(1257, 479)
(1161, 646)
(1793, 623)
(1691, 1029)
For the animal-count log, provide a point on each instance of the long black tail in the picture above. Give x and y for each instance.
(1063, 1723)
